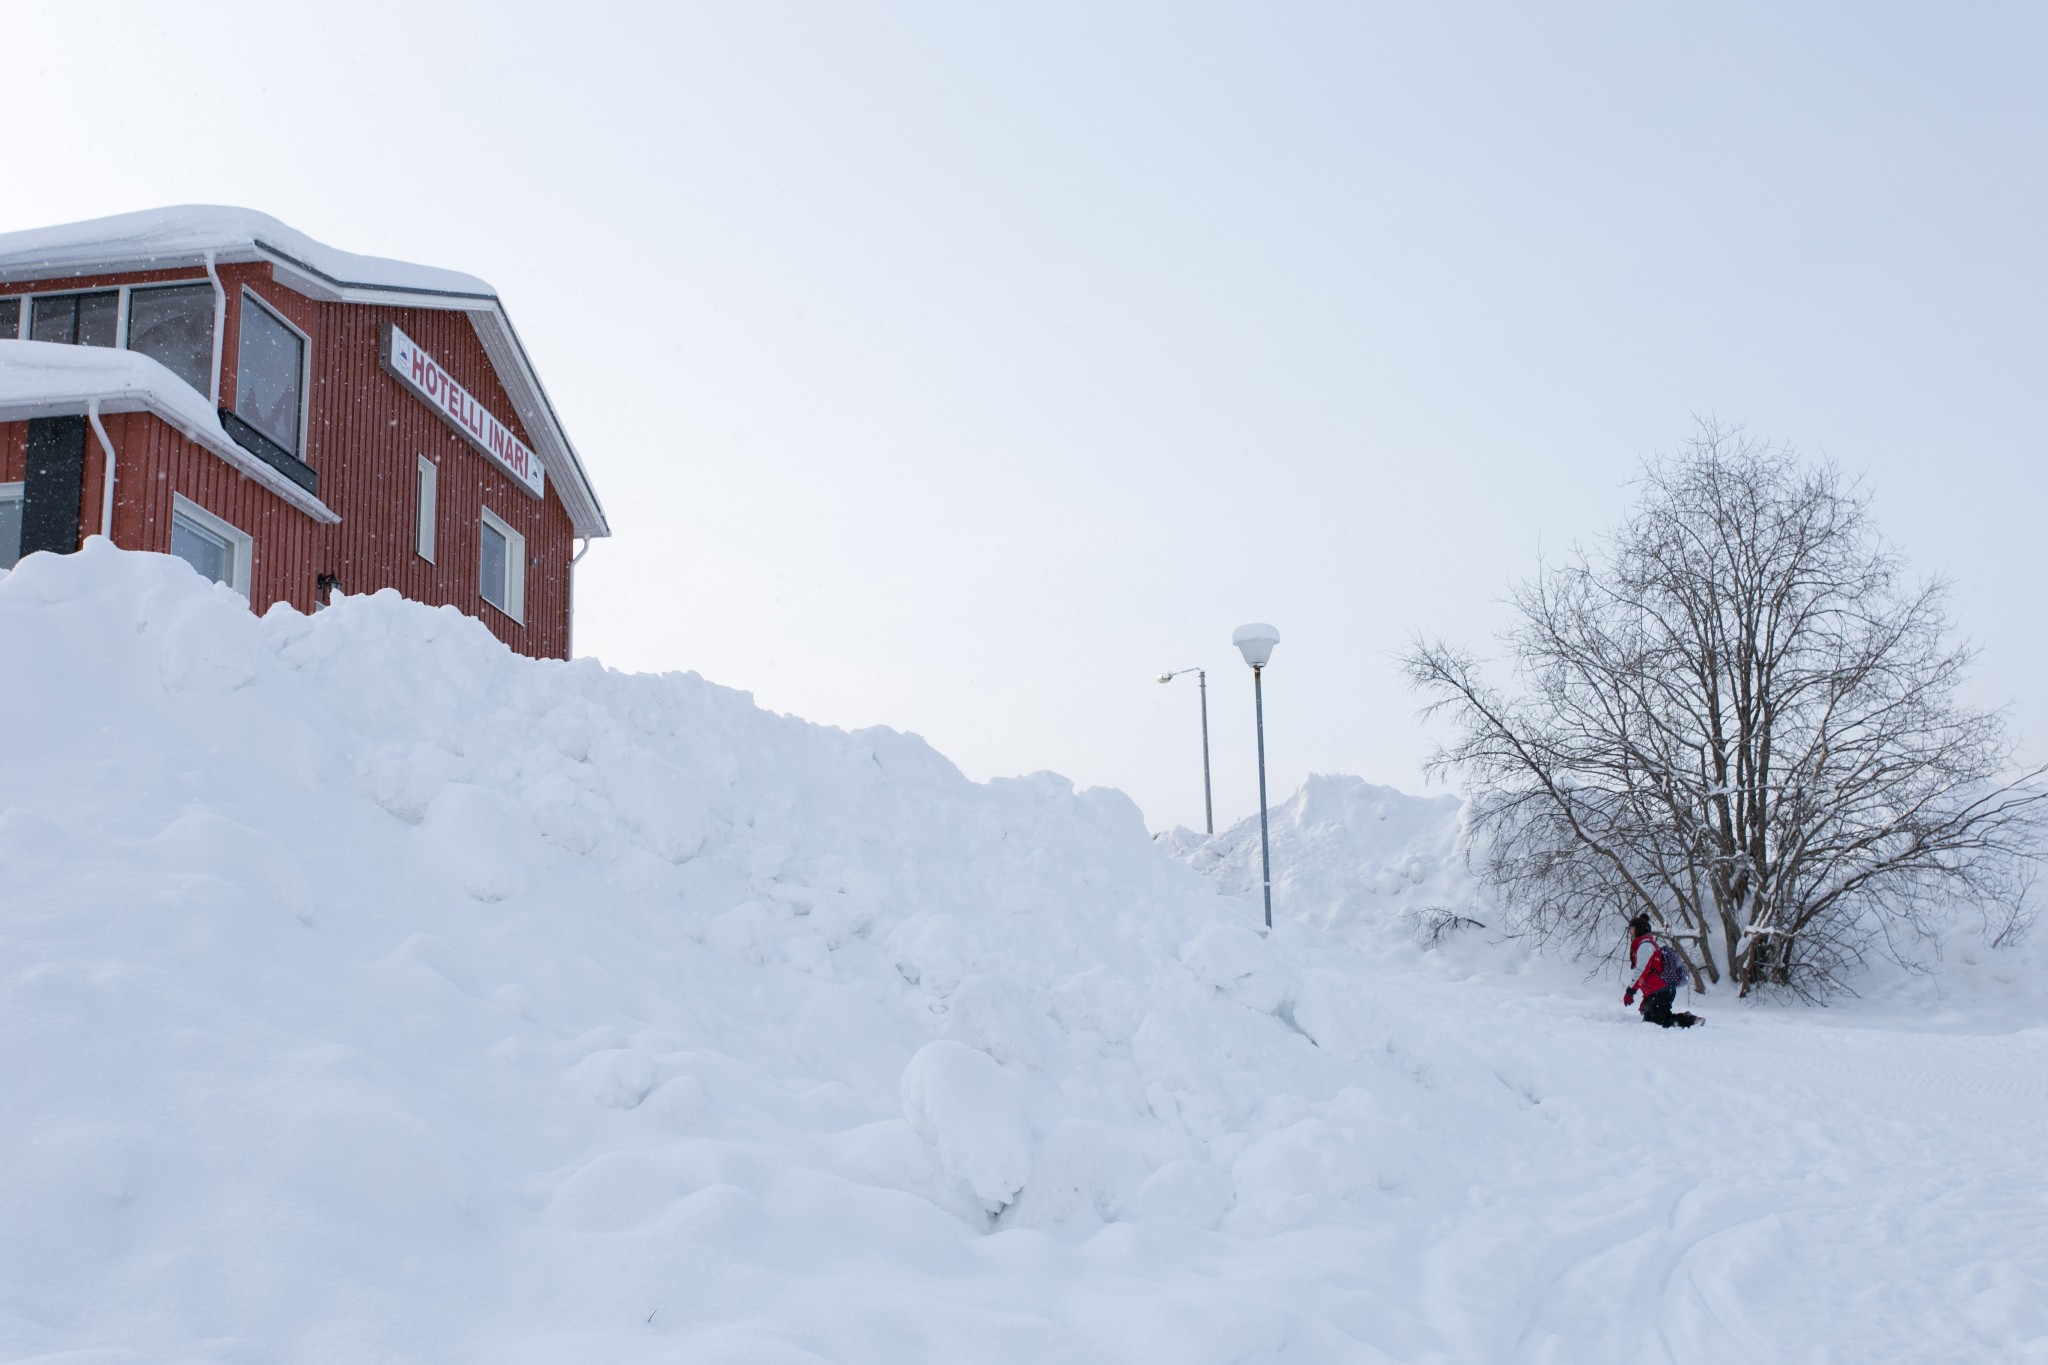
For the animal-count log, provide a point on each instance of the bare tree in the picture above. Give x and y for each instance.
(1740, 717)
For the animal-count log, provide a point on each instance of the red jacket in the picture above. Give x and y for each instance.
(1645, 965)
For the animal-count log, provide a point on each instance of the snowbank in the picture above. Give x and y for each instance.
(1362, 860)
(369, 993)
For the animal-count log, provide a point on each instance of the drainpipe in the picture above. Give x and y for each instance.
(220, 323)
(569, 644)
(92, 413)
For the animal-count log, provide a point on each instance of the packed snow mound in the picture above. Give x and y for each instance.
(370, 993)
(1357, 858)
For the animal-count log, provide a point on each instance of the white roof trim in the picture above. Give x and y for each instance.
(507, 356)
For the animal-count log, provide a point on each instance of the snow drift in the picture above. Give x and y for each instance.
(1348, 855)
(370, 993)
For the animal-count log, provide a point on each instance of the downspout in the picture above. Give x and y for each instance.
(220, 323)
(569, 644)
(92, 413)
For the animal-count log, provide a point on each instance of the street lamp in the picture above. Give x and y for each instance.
(1201, 676)
(1256, 643)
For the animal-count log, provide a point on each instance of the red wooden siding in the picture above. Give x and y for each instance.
(156, 460)
(364, 435)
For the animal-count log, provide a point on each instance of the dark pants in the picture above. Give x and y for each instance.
(1657, 1010)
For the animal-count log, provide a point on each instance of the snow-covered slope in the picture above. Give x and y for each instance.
(367, 993)
(1367, 861)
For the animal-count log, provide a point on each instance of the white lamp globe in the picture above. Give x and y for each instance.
(1255, 642)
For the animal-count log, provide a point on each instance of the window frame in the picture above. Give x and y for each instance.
(128, 292)
(427, 511)
(515, 567)
(241, 544)
(305, 368)
(25, 329)
(26, 317)
(16, 493)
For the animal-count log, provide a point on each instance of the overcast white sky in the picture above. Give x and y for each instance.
(962, 367)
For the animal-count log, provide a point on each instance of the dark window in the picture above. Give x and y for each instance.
(175, 326)
(98, 316)
(10, 319)
(53, 320)
(211, 554)
(53, 480)
(501, 566)
(10, 527)
(269, 372)
(76, 319)
(491, 568)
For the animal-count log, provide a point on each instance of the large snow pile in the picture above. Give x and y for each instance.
(1366, 860)
(368, 993)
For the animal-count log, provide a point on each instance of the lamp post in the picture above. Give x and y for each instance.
(1256, 643)
(1201, 676)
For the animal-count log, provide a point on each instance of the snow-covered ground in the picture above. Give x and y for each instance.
(1364, 861)
(368, 994)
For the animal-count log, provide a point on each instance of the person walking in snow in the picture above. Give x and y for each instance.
(1654, 977)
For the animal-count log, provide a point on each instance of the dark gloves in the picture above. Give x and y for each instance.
(1628, 997)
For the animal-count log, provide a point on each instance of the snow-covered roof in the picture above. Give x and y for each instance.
(187, 234)
(171, 237)
(48, 379)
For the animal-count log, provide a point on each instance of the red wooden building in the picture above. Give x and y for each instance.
(288, 418)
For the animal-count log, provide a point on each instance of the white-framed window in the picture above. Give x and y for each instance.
(173, 324)
(92, 318)
(501, 566)
(270, 374)
(170, 322)
(10, 524)
(217, 549)
(424, 492)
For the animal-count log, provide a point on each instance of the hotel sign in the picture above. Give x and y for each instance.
(474, 422)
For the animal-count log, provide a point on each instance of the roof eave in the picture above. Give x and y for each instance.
(121, 400)
(125, 264)
(507, 355)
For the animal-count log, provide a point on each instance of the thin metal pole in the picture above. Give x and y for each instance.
(1265, 844)
(1208, 802)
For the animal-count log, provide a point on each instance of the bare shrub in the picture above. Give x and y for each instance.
(1434, 923)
